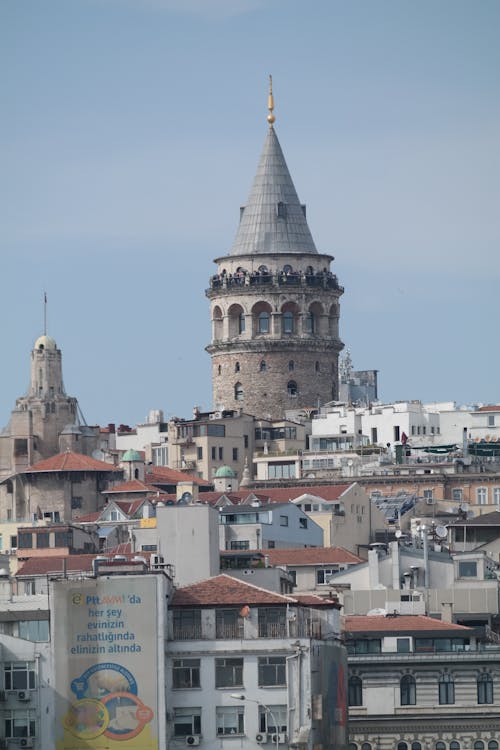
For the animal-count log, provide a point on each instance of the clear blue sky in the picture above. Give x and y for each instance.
(130, 131)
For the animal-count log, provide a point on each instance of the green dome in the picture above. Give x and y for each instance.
(225, 472)
(131, 455)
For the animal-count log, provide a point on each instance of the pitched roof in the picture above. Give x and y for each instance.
(485, 519)
(327, 493)
(131, 485)
(311, 556)
(70, 461)
(37, 566)
(493, 407)
(387, 624)
(165, 475)
(262, 229)
(224, 589)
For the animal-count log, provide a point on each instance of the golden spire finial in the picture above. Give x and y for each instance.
(270, 103)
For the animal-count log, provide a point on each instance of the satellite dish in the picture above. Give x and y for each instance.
(350, 462)
(464, 507)
(441, 532)
(398, 534)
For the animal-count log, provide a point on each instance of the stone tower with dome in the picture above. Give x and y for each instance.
(45, 420)
(274, 303)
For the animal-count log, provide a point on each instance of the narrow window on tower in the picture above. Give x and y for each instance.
(263, 322)
(219, 370)
(292, 388)
(263, 366)
(237, 367)
(310, 323)
(238, 392)
(281, 210)
(241, 323)
(316, 366)
(287, 322)
(291, 366)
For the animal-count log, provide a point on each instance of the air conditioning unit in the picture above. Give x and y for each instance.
(26, 742)
(193, 739)
(261, 738)
(215, 415)
(23, 695)
(279, 739)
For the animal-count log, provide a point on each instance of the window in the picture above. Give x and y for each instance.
(416, 746)
(408, 690)
(366, 746)
(283, 520)
(456, 495)
(491, 420)
(229, 624)
(230, 720)
(263, 323)
(19, 675)
(396, 433)
(303, 523)
(316, 367)
(355, 691)
(492, 745)
(240, 544)
(440, 746)
(292, 389)
(238, 392)
(287, 322)
(214, 453)
(310, 323)
(228, 673)
(219, 370)
(272, 671)
(482, 496)
(241, 323)
(484, 688)
(374, 435)
(262, 366)
(272, 622)
(237, 367)
(34, 630)
(272, 719)
(364, 646)
(403, 645)
(293, 576)
(187, 624)
(446, 690)
(291, 366)
(323, 576)
(496, 495)
(63, 539)
(428, 494)
(281, 470)
(187, 721)
(454, 745)
(24, 541)
(245, 441)
(402, 746)
(478, 745)
(199, 452)
(20, 724)
(235, 454)
(76, 502)
(186, 674)
(467, 569)
(221, 453)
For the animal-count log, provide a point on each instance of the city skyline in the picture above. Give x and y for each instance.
(130, 137)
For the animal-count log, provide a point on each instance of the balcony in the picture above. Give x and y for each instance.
(241, 282)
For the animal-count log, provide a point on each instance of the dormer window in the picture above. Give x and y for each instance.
(281, 210)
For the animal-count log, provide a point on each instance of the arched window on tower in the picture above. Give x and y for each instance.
(316, 366)
(241, 323)
(287, 322)
(263, 322)
(292, 389)
(291, 366)
(238, 392)
(217, 323)
(262, 366)
(310, 323)
(237, 367)
(219, 369)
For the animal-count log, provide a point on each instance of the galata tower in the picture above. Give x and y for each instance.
(274, 303)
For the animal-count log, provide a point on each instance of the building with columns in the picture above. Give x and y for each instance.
(274, 303)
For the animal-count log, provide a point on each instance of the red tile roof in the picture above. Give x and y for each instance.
(129, 507)
(89, 518)
(70, 461)
(494, 407)
(36, 566)
(228, 591)
(165, 475)
(224, 589)
(311, 556)
(399, 624)
(131, 485)
(327, 493)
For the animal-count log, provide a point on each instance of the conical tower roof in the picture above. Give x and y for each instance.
(273, 221)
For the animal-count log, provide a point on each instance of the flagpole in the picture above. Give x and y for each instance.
(45, 313)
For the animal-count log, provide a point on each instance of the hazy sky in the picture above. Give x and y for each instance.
(130, 131)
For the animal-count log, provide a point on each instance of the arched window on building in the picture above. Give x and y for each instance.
(454, 745)
(316, 366)
(310, 323)
(287, 322)
(219, 369)
(478, 745)
(408, 690)
(291, 366)
(366, 746)
(440, 746)
(355, 691)
(237, 367)
(484, 688)
(241, 322)
(238, 392)
(262, 366)
(492, 745)
(402, 746)
(292, 389)
(217, 323)
(263, 322)
(446, 689)
(416, 746)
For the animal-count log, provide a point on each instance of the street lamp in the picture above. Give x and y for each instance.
(240, 697)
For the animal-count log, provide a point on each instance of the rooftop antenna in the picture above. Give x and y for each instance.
(45, 313)
(270, 103)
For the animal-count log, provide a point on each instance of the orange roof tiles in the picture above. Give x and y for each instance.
(131, 485)
(494, 407)
(70, 461)
(165, 475)
(398, 624)
(326, 492)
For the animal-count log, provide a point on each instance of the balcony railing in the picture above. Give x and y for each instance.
(319, 280)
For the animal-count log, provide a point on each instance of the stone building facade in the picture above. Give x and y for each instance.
(274, 304)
